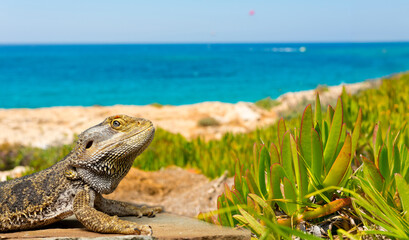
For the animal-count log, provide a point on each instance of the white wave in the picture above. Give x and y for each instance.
(286, 49)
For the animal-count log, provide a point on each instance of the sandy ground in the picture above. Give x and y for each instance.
(179, 191)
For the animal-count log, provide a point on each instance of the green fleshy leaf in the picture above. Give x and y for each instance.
(318, 114)
(330, 114)
(251, 205)
(254, 225)
(255, 155)
(325, 132)
(372, 174)
(281, 130)
(267, 210)
(253, 188)
(286, 157)
(237, 197)
(290, 194)
(245, 188)
(299, 171)
(264, 161)
(356, 133)
(238, 177)
(317, 155)
(396, 159)
(223, 216)
(389, 144)
(403, 190)
(229, 212)
(346, 177)
(275, 156)
(341, 139)
(277, 173)
(383, 163)
(227, 192)
(305, 135)
(404, 160)
(334, 135)
(340, 166)
(377, 143)
(241, 219)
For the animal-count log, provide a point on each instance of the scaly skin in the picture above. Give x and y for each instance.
(102, 157)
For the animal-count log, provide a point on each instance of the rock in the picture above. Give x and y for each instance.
(44, 127)
(291, 100)
(245, 112)
(14, 173)
(164, 225)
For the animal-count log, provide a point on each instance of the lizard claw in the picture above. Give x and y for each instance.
(138, 214)
(144, 230)
(151, 211)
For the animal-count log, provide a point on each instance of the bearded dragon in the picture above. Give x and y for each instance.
(102, 157)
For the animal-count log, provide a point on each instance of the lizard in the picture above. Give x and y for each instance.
(102, 156)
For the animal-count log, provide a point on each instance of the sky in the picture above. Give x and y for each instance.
(202, 21)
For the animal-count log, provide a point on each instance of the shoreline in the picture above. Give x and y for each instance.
(53, 126)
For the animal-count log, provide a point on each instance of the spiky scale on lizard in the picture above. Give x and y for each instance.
(101, 158)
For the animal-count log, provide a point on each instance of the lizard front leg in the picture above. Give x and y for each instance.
(113, 207)
(97, 221)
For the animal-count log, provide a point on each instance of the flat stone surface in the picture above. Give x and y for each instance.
(164, 225)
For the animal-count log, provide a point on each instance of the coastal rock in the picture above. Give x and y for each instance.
(246, 112)
(293, 100)
(14, 173)
(44, 127)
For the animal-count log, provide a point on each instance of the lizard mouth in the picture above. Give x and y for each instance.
(147, 140)
(150, 127)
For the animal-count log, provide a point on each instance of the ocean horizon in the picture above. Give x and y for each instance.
(47, 75)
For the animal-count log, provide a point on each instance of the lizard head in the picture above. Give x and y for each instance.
(105, 153)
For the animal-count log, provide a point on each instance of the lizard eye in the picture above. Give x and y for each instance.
(116, 124)
(89, 144)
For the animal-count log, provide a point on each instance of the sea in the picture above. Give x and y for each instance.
(34, 76)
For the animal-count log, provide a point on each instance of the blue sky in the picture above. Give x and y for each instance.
(202, 21)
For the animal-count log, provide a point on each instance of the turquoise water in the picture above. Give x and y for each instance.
(34, 76)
